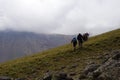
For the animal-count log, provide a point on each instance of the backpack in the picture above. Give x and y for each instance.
(74, 40)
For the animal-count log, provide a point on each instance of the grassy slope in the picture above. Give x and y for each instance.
(35, 65)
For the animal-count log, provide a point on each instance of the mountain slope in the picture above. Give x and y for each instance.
(17, 44)
(63, 59)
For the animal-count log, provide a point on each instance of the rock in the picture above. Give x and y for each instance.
(63, 67)
(5, 78)
(78, 60)
(73, 66)
(56, 59)
(88, 71)
(62, 76)
(104, 57)
(105, 77)
(20, 79)
(90, 62)
(96, 74)
(105, 60)
(72, 74)
(116, 56)
(117, 64)
(68, 78)
(90, 68)
(47, 76)
(82, 76)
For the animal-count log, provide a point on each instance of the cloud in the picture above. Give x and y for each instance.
(60, 16)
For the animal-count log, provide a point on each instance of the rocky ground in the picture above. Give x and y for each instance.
(109, 69)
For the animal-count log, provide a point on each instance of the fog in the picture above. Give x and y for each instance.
(60, 16)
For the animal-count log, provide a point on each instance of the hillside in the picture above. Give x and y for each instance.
(63, 59)
(15, 44)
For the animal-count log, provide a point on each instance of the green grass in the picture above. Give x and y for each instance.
(34, 66)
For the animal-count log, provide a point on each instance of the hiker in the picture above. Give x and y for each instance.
(80, 40)
(74, 43)
(85, 36)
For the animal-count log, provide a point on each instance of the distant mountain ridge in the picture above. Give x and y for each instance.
(15, 44)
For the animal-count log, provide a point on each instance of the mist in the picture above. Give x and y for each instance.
(60, 16)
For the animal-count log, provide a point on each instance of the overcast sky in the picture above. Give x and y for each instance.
(60, 16)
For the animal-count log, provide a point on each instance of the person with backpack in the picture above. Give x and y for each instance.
(85, 36)
(74, 43)
(80, 39)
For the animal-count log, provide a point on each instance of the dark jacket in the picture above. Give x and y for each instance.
(79, 37)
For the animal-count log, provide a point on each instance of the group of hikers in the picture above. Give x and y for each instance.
(80, 39)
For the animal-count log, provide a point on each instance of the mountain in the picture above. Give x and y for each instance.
(15, 44)
(98, 59)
